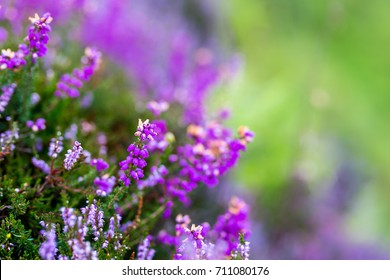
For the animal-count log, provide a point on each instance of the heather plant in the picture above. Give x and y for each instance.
(81, 178)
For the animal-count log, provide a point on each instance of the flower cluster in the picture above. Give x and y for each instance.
(233, 223)
(7, 140)
(138, 153)
(100, 164)
(90, 212)
(39, 124)
(226, 239)
(94, 218)
(157, 174)
(48, 249)
(213, 152)
(77, 228)
(56, 146)
(70, 84)
(13, 60)
(38, 35)
(5, 97)
(104, 184)
(144, 251)
(191, 244)
(72, 155)
(36, 40)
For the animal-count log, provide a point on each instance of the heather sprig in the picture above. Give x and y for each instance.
(41, 164)
(70, 84)
(72, 155)
(5, 97)
(56, 146)
(135, 162)
(38, 35)
(39, 124)
(48, 249)
(36, 44)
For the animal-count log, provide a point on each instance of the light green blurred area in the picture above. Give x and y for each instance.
(315, 70)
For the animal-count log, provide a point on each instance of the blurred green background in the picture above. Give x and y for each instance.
(315, 88)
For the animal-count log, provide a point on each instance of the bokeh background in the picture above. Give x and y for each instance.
(311, 79)
(315, 89)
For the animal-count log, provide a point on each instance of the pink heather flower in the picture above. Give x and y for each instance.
(39, 124)
(72, 155)
(6, 96)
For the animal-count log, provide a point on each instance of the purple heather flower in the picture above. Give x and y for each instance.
(39, 124)
(94, 217)
(69, 218)
(100, 164)
(7, 140)
(35, 98)
(233, 223)
(5, 97)
(133, 165)
(38, 35)
(157, 107)
(246, 136)
(36, 41)
(56, 146)
(86, 100)
(71, 132)
(70, 84)
(243, 250)
(145, 130)
(144, 251)
(163, 138)
(48, 248)
(113, 225)
(156, 177)
(191, 243)
(104, 184)
(82, 250)
(212, 154)
(72, 155)
(13, 60)
(41, 164)
(87, 155)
